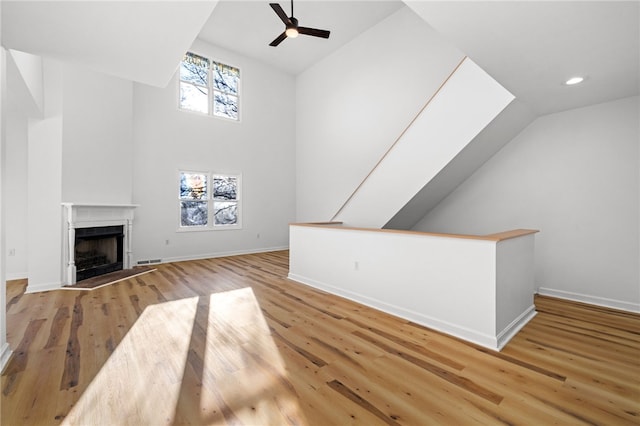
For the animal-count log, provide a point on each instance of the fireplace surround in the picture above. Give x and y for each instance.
(98, 240)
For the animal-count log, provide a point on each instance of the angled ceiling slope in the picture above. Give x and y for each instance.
(533, 47)
(141, 41)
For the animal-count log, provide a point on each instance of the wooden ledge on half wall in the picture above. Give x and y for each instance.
(499, 236)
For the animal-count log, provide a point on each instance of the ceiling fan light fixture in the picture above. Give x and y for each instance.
(292, 30)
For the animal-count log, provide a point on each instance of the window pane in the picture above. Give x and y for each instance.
(193, 98)
(194, 69)
(193, 186)
(225, 78)
(193, 213)
(225, 213)
(225, 188)
(225, 105)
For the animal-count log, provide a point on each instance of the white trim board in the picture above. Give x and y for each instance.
(42, 287)
(592, 300)
(5, 356)
(516, 325)
(17, 276)
(213, 255)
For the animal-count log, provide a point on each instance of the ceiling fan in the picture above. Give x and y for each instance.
(292, 29)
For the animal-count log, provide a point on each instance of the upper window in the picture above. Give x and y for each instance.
(209, 87)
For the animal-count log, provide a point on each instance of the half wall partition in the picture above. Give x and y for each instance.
(477, 288)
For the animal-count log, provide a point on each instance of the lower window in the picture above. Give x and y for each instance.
(209, 200)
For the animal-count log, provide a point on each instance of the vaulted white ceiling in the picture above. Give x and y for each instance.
(247, 27)
(529, 47)
(136, 40)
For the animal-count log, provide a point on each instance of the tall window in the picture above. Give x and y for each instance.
(209, 87)
(201, 208)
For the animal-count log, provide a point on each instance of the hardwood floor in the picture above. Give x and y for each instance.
(232, 341)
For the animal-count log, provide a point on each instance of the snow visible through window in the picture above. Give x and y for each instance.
(209, 87)
(197, 205)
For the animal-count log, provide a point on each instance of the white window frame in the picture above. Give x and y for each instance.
(211, 91)
(211, 202)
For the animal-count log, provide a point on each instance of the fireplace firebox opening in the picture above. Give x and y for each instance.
(98, 251)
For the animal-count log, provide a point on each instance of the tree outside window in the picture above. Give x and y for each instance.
(201, 210)
(209, 87)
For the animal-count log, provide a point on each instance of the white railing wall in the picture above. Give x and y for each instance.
(476, 288)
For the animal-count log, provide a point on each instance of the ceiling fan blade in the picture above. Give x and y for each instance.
(276, 7)
(313, 32)
(278, 39)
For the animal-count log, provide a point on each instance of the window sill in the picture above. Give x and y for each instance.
(208, 228)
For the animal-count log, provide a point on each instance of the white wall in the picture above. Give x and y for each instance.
(44, 186)
(574, 176)
(24, 99)
(5, 350)
(352, 106)
(465, 104)
(30, 67)
(79, 149)
(97, 161)
(15, 194)
(261, 147)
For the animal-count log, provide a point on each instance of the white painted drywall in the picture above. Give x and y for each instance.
(352, 106)
(444, 283)
(261, 147)
(514, 282)
(44, 185)
(511, 121)
(574, 176)
(30, 68)
(466, 104)
(24, 98)
(97, 160)
(15, 194)
(5, 350)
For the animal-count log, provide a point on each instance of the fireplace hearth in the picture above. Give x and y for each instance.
(98, 251)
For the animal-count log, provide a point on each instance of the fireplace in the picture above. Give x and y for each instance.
(98, 240)
(98, 251)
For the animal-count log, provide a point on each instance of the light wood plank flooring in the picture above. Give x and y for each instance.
(232, 341)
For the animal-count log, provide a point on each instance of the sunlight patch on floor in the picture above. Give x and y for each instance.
(244, 370)
(140, 382)
(203, 360)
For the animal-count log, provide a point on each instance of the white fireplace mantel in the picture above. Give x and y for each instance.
(85, 215)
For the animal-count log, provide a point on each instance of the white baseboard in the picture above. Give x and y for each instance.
(219, 254)
(512, 329)
(16, 276)
(5, 355)
(464, 333)
(593, 300)
(31, 288)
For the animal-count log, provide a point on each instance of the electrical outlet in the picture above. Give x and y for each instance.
(356, 266)
(258, 236)
(166, 242)
(12, 252)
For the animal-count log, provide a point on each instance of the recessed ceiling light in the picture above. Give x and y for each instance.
(574, 80)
